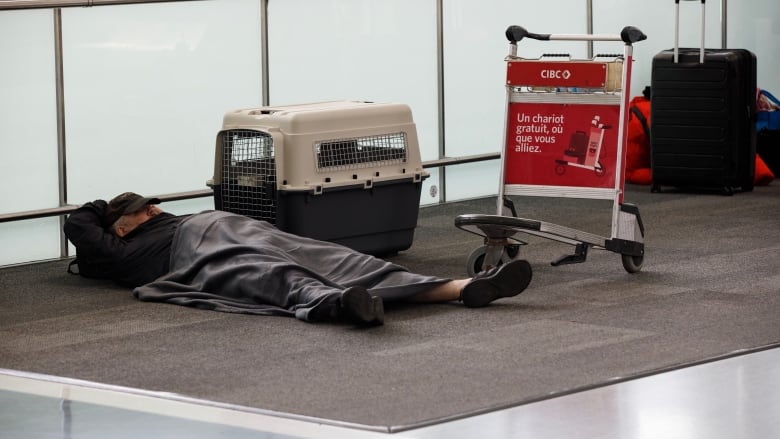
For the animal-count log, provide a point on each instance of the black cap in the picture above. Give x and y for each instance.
(123, 204)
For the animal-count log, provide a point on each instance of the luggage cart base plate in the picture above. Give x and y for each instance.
(501, 233)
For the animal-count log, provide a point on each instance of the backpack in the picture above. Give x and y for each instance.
(638, 140)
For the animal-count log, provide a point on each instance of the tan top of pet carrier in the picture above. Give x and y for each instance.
(319, 145)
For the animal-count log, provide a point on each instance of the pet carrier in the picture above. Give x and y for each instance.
(343, 171)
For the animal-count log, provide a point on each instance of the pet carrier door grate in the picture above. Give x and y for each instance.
(360, 152)
(249, 174)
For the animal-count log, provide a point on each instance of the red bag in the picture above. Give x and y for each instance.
(638, 148)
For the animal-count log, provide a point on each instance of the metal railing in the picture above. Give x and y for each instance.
(68, 208)
(51, 4)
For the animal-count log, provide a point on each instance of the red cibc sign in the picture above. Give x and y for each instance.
(555, 144)
(556, 74)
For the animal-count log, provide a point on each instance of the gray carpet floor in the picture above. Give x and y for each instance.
(709, 287)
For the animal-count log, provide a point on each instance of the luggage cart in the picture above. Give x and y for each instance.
(560, 141)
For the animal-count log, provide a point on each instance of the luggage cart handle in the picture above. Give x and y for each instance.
(628, 35)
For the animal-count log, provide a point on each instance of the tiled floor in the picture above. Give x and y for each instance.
(738, 397)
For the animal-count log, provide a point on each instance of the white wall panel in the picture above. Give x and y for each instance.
(656, 20)
(146, 87)
(28, 134)
(28, 126)
(755, 25)
(357, 50)
(475, 71)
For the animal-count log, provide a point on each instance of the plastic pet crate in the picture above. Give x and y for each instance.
(344, 171)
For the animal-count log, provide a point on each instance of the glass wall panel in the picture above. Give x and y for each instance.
(755, 25)
(28, 134)
(369, 50)
(656, 20)
(474, 72)
(28, 124)
(29, 240)
(146, 87)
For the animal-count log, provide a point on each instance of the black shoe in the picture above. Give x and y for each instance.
(328, 310)
(504, 281)
(359, 307)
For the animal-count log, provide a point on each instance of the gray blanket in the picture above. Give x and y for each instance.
(232, 263)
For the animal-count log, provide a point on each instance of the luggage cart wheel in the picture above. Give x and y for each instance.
(477, 258)
(632, 264)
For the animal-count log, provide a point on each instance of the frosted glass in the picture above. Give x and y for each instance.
(29, 240)
(28, 120)
(474, 94)
(184, 207)
(755, 25)
(146, 87)
(472, 180)
(656, 20)
(370, 50)
(28, 135)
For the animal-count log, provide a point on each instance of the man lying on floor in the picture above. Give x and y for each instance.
(227, 262)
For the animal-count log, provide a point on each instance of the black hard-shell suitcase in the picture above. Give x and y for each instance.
(702, 115)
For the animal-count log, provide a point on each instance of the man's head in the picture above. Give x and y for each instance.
(127, 211)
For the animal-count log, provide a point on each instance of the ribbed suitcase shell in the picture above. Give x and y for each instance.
(703, 119)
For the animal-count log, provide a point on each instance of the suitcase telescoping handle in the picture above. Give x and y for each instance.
(677, 32)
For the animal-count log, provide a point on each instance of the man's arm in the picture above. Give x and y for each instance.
(98, 250)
